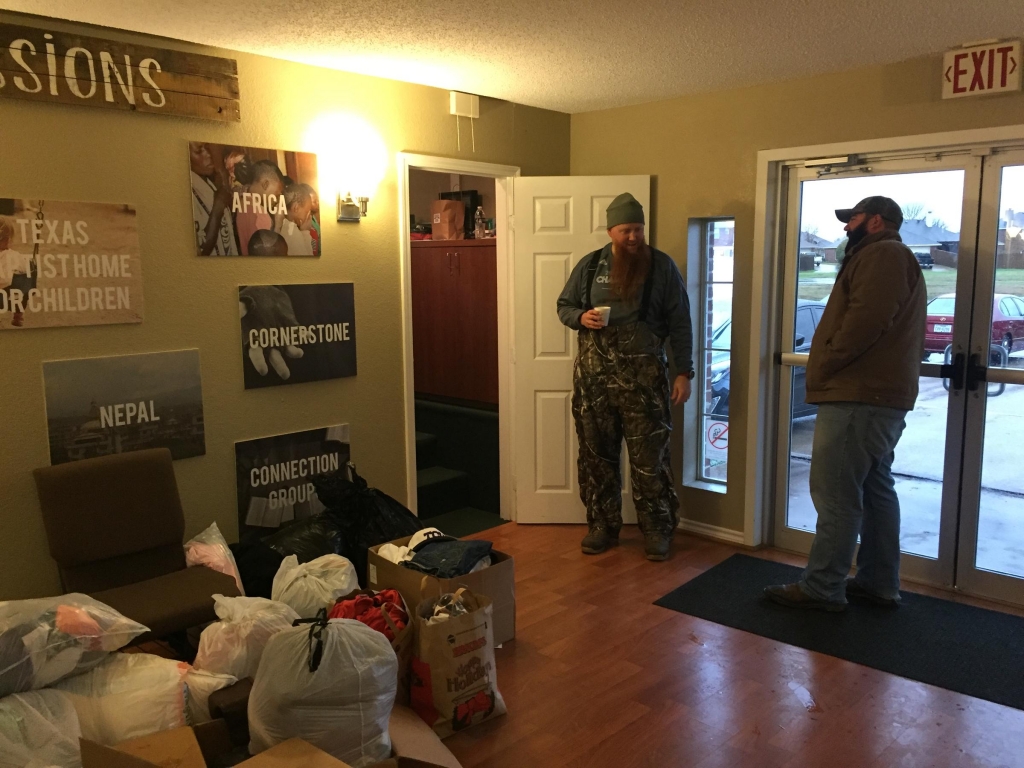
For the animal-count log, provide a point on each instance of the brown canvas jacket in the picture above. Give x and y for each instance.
(869, 343)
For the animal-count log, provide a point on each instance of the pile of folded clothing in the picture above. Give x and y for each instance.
(432, 552)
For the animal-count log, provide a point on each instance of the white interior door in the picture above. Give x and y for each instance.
(557, 221)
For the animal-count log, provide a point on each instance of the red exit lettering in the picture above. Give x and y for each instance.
(981, 69)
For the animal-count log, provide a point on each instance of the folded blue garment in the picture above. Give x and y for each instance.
(449, 559)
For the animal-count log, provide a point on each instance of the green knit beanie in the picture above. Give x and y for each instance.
(625, 209)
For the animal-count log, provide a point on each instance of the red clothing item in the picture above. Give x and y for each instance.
(368, 608)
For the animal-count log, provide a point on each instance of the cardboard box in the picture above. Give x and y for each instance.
(179, 748)
(414, 745)
(497, 582)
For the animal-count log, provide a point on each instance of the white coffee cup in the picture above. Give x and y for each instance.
(606, 313)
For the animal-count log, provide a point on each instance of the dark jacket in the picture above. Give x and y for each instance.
(668, 314)
(869, 342)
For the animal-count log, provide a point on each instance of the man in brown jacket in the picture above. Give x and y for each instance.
(863, 374)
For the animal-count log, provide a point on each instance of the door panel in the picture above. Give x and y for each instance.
(991, 545)
(552, 340)
(557, 221)
(476, 335)
(434, 292)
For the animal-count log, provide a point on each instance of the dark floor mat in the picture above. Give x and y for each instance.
(959, 647)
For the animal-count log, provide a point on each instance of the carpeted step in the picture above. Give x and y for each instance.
(426, 450)
(440, 490)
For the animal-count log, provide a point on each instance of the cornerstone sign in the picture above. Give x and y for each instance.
(64, 68)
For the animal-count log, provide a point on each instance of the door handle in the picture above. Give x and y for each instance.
(976, 373)
(451, 268)
(954, 372)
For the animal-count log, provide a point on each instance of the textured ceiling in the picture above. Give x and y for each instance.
(567, 56)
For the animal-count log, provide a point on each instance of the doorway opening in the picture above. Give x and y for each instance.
(455, 231)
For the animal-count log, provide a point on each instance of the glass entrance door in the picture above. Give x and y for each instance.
(990, 558)
(957, 465)
(939, 227)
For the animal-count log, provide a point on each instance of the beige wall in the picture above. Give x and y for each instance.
(702, 151)
(424, 188)
(485, 187)
(80, 153)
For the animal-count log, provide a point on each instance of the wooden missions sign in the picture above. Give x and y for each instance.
(64, 68)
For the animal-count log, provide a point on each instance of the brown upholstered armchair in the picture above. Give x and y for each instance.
(115, 527)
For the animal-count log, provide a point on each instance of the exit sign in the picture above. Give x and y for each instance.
(981, 69)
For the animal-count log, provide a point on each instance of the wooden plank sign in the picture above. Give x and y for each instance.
(64, 68)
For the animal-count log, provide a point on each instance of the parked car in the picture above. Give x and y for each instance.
(808, 314)
(925, 260)
(1007, 322)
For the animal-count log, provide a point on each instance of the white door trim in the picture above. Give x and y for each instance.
(769, 209)
(502, 175)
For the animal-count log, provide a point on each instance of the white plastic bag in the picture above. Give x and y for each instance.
(128, 696)
(314, 585)
(234, 645)
(342, 706)
(37, 729)
(209, 548)
(45, 640)
(200, 685)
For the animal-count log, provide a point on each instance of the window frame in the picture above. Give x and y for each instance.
(700, 290)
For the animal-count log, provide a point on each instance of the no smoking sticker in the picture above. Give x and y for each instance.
(716, 439)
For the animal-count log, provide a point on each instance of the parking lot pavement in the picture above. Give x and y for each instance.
(1000, 530)
(920, 501)
(920, 451)
(918, 465)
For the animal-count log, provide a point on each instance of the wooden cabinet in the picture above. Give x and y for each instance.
(455, 319)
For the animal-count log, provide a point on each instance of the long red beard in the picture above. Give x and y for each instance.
(629, 271)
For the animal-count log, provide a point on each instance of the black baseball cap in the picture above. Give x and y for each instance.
(885, 207)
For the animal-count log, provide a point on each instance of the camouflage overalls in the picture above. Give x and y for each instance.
(621, 389)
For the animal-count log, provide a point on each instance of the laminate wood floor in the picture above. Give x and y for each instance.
(599, 677)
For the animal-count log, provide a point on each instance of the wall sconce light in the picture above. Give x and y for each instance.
(352, 210)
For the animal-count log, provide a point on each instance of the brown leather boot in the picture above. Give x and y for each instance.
(791, 596)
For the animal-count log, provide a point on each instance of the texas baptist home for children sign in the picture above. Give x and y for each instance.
(67, 263)
(66, 68)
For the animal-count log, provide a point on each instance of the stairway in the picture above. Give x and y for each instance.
(456, 472)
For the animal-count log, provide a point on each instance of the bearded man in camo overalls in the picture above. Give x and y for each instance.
(625, 300)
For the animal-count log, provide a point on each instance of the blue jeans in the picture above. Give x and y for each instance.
(854, 493)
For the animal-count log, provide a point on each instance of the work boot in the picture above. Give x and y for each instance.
(791, 596)
(855, 591)
(598, 540)
(657, 545)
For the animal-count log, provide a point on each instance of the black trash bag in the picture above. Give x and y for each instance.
(308, 539)
(257, 565)
(367, 517)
